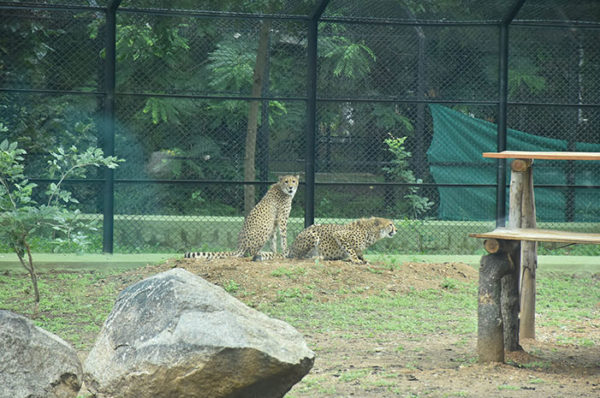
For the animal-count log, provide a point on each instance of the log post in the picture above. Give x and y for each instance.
(490, 332)
(515, 197)
(518, 166)
(528, 260)
(510, 302)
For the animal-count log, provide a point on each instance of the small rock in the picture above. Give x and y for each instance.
(34, 362)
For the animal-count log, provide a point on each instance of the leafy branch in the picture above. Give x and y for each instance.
(21, 216)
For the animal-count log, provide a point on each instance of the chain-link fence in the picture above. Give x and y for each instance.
(204, 99)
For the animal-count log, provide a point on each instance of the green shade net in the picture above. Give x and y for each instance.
(455, 158)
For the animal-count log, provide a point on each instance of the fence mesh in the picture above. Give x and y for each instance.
(185, 84)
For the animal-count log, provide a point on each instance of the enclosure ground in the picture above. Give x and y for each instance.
(390, 329)
(97, 261)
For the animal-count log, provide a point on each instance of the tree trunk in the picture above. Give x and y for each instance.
(253, 111)
(28, 265)
(510, 308)
(490, 325)
(490, 340)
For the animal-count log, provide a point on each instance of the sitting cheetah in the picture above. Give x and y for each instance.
(338, 242)
(261, 223)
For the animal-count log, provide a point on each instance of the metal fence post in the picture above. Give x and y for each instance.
(311, 121)
(109, 124)
(502, 111)
(311, 113)
(501, 140)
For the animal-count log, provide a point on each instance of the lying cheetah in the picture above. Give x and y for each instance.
(261, 223)
(337, 241)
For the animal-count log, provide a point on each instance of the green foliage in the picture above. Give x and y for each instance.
(524, 77)
(142, 42)
(22, 217)
(350, 59)
(231, 286)
(413, 204)
(390, 118)
(232, 64)
(161, 110)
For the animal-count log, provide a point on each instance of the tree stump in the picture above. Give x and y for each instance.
(490, 327)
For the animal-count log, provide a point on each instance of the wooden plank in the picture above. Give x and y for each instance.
(540, 235)
(543, 155)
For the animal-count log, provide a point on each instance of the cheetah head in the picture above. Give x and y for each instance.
(289, 184)
(386, 227)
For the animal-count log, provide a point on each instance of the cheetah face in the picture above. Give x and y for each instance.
(289, 184)
(388, 230)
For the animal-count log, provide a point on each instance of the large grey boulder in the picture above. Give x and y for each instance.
(176, 335)
(35, 363)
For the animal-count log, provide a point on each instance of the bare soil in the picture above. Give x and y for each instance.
(355, 364)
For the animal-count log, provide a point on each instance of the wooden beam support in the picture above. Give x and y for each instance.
(521, 165)
(516, 200)
(528, 261)
(491, 245)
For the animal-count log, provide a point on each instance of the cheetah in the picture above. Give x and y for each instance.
(339, 242)
(261, 223)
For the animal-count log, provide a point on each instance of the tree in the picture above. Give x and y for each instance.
(21, 217)
(413, 204)
(257, 86)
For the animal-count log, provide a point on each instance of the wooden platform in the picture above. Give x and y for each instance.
(540, 235)
(543, 155)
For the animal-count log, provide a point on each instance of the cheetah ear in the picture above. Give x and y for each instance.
(297, 177)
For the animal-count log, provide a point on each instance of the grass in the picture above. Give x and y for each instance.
(231, 286)
(87, 297)
(414, 312)
(508, 387)
(290, 273)
(565, 300)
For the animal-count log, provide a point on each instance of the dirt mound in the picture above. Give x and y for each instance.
(328, 280)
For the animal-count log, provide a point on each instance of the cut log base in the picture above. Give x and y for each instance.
(498, 309)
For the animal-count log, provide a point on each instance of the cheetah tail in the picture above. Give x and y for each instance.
(209, 255)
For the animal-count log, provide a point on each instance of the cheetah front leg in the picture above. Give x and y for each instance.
(273, 238)
(282, 223)
(355, 257)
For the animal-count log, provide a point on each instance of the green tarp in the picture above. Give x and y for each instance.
(455, 158)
